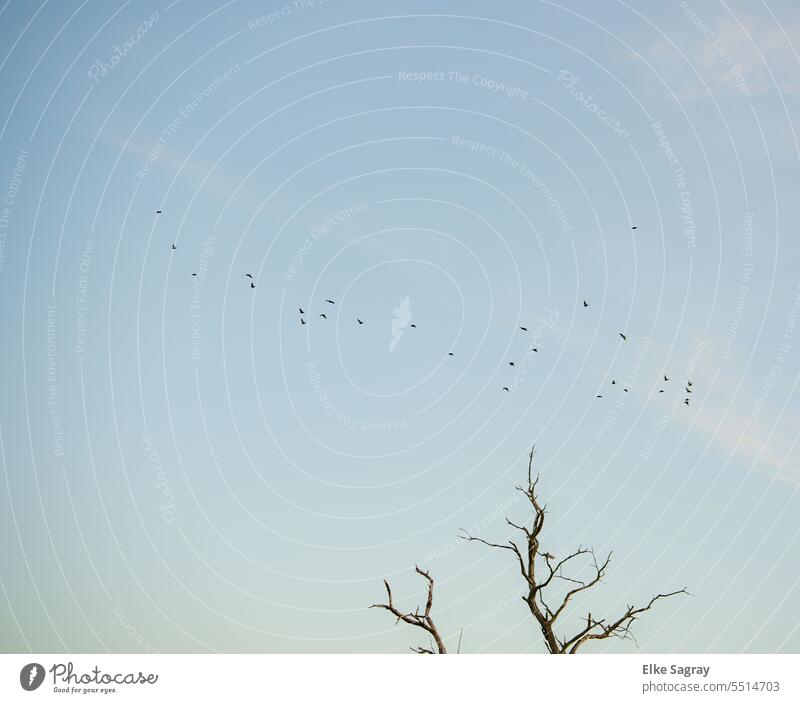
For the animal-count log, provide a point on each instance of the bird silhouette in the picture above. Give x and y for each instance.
(331, 302)
(322, 314)
(158, 212)
(252, 285)
(414, 326)
(689, 383)
(249, 275)
(665, 377)
(510, 363)
(524, 329)
(585, 304)
(450, 354)
(624, 390)
(634, 228)
(174, 247)
(661, 391)
(194, 274)
(688, 390)
(360, 322)
(623, 336)
(598, 396)
(534, 349)
(686, 401)
(505, 388)
(613, 382)
(302, 312)
(302, 321)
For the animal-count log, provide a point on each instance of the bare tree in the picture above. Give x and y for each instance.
(424, 621)
(530, 558)
(541, 570)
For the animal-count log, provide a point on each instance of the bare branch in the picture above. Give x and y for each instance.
(532, 560)
(599, 572)
(620, 628)
(424, 621)
(511, 546)
(546, 616)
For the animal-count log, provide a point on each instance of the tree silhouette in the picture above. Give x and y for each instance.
(425, 621)
(539, 571)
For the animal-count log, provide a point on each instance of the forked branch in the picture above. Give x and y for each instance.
(424, 620)
(540, 569)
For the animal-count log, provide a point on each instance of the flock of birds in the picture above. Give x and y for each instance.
(624, 337)
(322, 314)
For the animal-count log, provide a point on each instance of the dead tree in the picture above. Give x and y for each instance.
(424, 621)
(541, 569)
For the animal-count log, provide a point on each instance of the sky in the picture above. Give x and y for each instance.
(188, 467)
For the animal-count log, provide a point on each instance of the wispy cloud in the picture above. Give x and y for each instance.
(740, 54)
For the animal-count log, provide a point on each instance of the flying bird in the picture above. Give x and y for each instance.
(689, 383)
(450, 354)
(331, 302)
(158, 212)
(510, 363)
(623, 336)
(414, 326)
(194, 274)
(585, 304)
(174, 247)
(534, 349)
(686, 401)
(613, 382)
(360, 322)
(322, 314)
(249, 275)
(634, 228)
(505, 388)
(688, 390)
(624, 390)
(665, 377)
(661, 391)
(598, 396)
(302, 321)
(252, 285)
(524, 329)
(302, 312)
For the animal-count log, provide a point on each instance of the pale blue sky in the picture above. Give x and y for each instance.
(229, 480)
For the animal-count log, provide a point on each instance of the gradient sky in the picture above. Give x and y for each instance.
(187, 468)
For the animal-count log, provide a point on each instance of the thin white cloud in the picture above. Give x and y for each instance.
(741, 55)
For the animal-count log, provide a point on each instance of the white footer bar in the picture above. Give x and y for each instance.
(407, 677)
